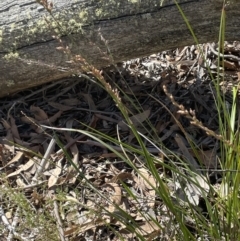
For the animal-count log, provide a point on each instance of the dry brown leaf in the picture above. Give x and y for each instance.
(168, 133)
(55, 174)
(153, 235)
(16, 158)
(5, 156)
(38, 113)
(122, 176)
(14, 128)
(72, 199)
(104, 103)
(207, 158)
(33, 149)
(22, 168)
(185, 152)
(37, 139)
(83, 228)
(8, 147)
(137, 120)
(39, 129)
(146, 178)
(60, 106)
(55, 116)
(107, 155)
(28, 120)
(114, 170)
(116, 197)
(148, 182)
(89, 100)
(37, 198)
(71, 101)
(51, 119)
(6, 124)
(20, 182)
(238, 74)
(147, 228)
(229, 65)
(103, 117)
(161, 126)
(72, 172)
(21, 143)
(8, 141)
(144, 229)
(33, 169)
(71, 230)
(126, 234)
(69, 124)
(73, 149)
(193, 192)
(74, 217)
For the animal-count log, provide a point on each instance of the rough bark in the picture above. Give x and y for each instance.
(99, 30)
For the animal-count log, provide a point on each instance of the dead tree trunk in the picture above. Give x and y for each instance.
(102, 31)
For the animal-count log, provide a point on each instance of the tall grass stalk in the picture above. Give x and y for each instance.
(228, 116)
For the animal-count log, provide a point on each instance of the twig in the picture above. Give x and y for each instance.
(41, 167)
(30, 186)
(227, 56)
(5, 220)
(189, 71)
(59, 222)
(13, 226)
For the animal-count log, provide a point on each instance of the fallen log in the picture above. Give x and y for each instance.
(101, 31)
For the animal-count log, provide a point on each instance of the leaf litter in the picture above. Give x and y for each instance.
(34, 165)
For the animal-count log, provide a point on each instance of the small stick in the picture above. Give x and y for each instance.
(41, 167)
(59, 222)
